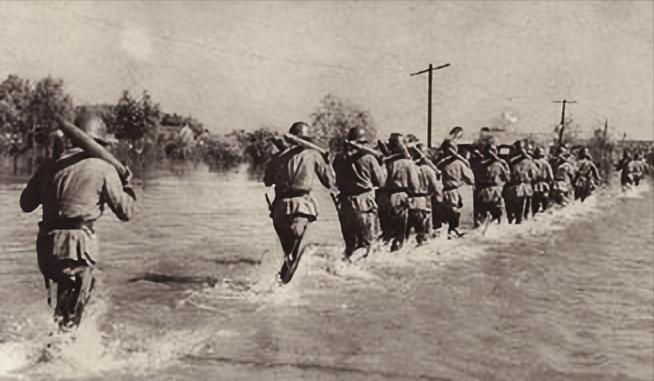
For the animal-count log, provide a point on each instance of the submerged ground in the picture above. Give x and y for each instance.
(187, 292)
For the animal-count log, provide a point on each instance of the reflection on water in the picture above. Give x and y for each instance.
(187, 291)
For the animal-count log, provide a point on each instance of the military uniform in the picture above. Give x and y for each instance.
(493, 175)
(519, 191)
(587, 176)
(73, 191)
(357, 175)
(420, 208)
(393, 198)
(295, 173)
(562, 187)
(544, 177)
(455, 174)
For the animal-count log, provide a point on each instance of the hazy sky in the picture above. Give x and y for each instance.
(245, 65)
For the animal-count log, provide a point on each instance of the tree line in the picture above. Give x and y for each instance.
(145, 134)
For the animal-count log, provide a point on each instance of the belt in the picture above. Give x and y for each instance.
(420, 194)
(293, 193)
(65, 224)
(355, 193)
(453, 187)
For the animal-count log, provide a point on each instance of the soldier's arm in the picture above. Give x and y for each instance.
(119, 198)
(413, 177)
(377, 171)
(549, 174)
(432, 182)
(325, 172)
(467, 175)
(269, 174)
(30, 198)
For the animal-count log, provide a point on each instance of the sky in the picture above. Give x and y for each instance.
(244, 65)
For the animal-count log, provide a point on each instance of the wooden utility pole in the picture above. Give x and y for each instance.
(429, 70)
(563, 118)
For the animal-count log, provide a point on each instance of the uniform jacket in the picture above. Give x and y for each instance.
(455, 174)
(295, 173)
(357, 174)
(429, 186)
(544, 175)
(492, 177)
(73, 192)
(523, 173)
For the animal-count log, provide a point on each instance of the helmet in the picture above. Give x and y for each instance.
(448, 145)
(491, 149)
(538, 152)
(93, 125)
(396, 144)
(279, 143)
(357, 134)
(301, 130)
(584, 153)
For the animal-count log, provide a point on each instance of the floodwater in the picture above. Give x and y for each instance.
(187, 291)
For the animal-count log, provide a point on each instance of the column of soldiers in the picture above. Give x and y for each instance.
(385, 193)
(382, 195)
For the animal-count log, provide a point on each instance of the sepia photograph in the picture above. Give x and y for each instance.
(327, 190)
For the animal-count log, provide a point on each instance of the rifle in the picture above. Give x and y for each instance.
(424, 158)
(364, 148)
(90, 146)
(456, 156)
(305, 143)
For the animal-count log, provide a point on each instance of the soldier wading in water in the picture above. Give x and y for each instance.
(73, 191)
(294, 173)
(358, 173)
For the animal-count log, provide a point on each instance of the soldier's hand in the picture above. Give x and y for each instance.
(126, 177)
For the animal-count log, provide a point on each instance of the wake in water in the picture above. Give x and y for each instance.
(323, 264)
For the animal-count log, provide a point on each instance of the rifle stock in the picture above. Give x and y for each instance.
(90, 146)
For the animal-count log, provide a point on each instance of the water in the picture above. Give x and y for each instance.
(187, 292)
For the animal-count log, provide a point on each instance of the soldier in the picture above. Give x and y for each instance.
(358, 173)
(587, 175)
(456, 173)
(73, 191)
(420, 208)
(626, 177)
(402, 180)
(294, 174)
(490, 183)
(638, 168)
(477, 167)
(519, 190)
(544, 177)
(564, 174)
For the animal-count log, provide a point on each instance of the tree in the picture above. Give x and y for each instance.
(137, 119)
(333, 119)
(49, 103)
(15, 96)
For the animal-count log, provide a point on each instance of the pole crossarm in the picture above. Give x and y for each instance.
(427, 70)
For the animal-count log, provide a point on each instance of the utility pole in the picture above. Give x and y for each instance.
(563, 118)
(429, 70)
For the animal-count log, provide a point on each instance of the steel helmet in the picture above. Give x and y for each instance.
(491, 149)
(357, 134)
(93, 125)
(301, 130)
(396, 144)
